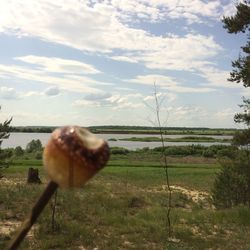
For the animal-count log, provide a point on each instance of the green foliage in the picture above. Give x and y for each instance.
(208, 153)
(119, 150)
(240, 22)
(199, 150)
(18, 151)
(38, 155)
(5, 155)
(220, 151)
(155, 130)
(184, 150)
(33, 129)
(242, 138)
(34, 146)
(229, 152)
(232, 184)
(181, 139)
(4, 134)
(100, 215)
(4, 130)
(145, 149)
(245, 116)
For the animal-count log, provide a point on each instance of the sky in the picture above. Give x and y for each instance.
(90, 63)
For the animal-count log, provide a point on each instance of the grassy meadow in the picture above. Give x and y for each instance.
(166, 130)
(182, 139)
(124, 207)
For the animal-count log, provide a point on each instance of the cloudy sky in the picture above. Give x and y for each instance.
(91, 62)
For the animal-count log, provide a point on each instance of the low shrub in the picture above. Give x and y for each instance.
(34, 146)
(18, 151)
(208, 153)
(232, 183)
(119, 150)
(38, 155)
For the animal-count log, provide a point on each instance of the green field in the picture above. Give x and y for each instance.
(135, 130)
(182, 139)
(124, 207)
(167, 130)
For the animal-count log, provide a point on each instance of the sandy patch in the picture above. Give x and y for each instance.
(195, 195)
(199, 197)
(9, 226)
(11, 182)
(6, 227)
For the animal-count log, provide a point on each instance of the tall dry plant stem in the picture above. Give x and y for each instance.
(165, 164)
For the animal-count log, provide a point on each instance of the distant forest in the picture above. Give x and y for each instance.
(129, 129)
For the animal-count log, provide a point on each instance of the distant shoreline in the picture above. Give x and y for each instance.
(134, 130)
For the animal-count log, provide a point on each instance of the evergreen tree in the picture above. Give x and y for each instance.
(240, 22)
(232, 184)
(4, 134)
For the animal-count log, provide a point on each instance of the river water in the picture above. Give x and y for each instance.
(22, 139)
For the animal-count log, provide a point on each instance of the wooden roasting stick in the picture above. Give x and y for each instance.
(71, 157)
(35, 212)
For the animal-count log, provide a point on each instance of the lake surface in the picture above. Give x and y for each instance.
(22, 139)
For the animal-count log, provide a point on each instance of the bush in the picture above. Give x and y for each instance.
(5, 159)
(226, 152)
(6, 153)
(232, 184)
(34, 146)
(199, 150)
(119, 150)
(208, 153)
(38, 155)
(216, 148)
(184, 150)
(18, 151)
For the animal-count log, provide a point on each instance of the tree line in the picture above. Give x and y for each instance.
(232, 184)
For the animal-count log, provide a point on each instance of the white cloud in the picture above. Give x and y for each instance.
(115, 101)
(164, 99)
(99, 28)
(216, 77)
(52, 91)
(124, 59)
(160, 80)
(169, 84)
(66, 82)
(245, 91)
(158, 10)
(197, 116)
(12, 94)
(230, 8)
(138, 10)
(180, 53)
(24, 118)
(183, 115)
(112, 29)
(59, 65)
(176, 8)
(32, 93)
(8, 93)
(97, 96)
(225, 113)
